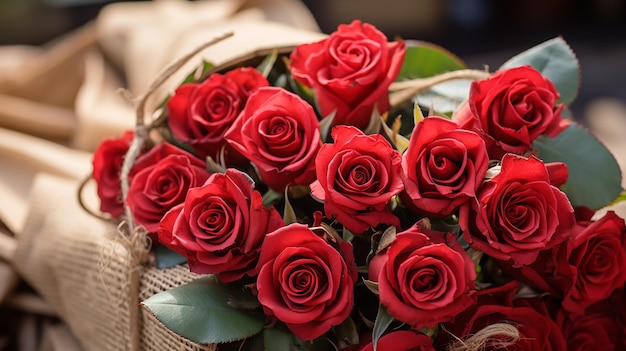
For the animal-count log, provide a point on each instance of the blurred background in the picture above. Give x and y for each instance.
(481, 32)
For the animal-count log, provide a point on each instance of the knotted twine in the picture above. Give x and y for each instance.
(496, 336)
(135, 236)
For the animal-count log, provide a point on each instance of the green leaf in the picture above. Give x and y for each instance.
(198, 73)
(266, 66)
(594, 175)
(430, 332)
(304, 92)
(418, 116)
(281, 81)
(557, 62)
(347, 334)
(621, 197)
(289, 214)
(388, 236)
(383, 321)
(166, 258)
(200, 312)
(445, 98)
(373, 286)
(346, 234)
(373, 127)
(398, 141)
(325, 125)
(283, 340)
(213, 166)
(270, 197)
(425, 59)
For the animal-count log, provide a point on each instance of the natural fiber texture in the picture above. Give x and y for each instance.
(495, 336)
(66, 268)
(154, 336)
(80, 266)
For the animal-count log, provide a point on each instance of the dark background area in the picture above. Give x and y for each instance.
(481, 32)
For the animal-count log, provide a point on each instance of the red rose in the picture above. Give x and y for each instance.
(350, 72)
(443, 167)
(517, 213)
(303, 281)
(220, 227)
(279, 133)
(107, 165)
(200, 113)
(581, 270)
(549, 273)
(596, 254)
(248, 79)
(511, 109)
(424, 279)
(402, 340)
(617, 303)
(159, 180)
(593, 331)
(356, 177)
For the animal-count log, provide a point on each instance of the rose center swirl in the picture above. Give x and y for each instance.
(445, 165)
(429, 282)
(215, 224)
(352, 54)
(166, 185)
(282, 137)
(601, 258)
(303, 281)
(358, 174)
(519, 217)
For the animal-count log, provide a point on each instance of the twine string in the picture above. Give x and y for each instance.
(497, 336)
(401, 92)
(136, 239)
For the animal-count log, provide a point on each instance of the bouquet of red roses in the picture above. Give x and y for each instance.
(327, 213)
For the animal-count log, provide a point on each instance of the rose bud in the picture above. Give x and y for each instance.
(442, 167)
(200, 113)
(424, 277)
(304, 282)
(511, 109)
(350, 72)
(279, 133)
(159, 180)
(107, 165)
(220, 227)
(517, 213)
(357, 177)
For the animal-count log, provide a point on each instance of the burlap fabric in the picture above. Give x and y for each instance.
(68, 90)
(93, 277)
(83, 268)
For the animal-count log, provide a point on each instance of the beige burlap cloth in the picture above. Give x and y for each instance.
(56, 105)
(68, 90)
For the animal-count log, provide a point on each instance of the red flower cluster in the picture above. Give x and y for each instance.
(476, 214)
(200, 113)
